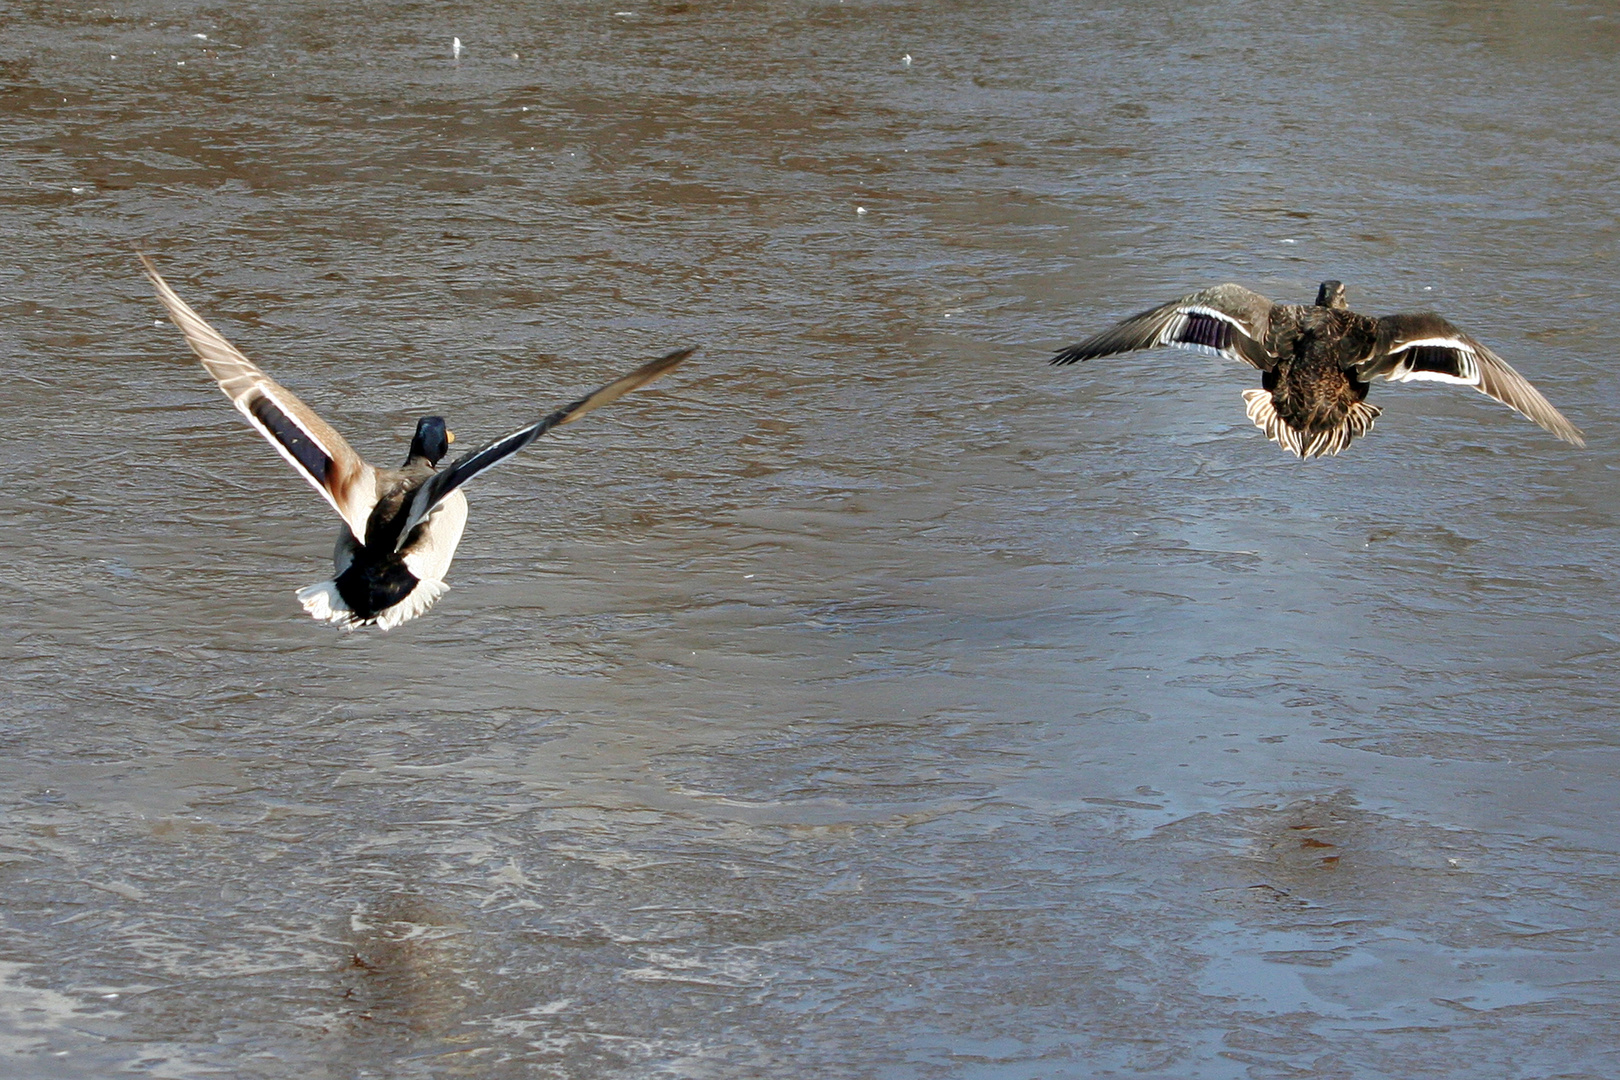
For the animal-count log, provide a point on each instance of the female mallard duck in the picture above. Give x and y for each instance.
(1317, 362)
(400, 526)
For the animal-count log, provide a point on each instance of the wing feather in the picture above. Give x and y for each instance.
(1427, 348)
(1228, 321)
(310, 444)
(494, 453)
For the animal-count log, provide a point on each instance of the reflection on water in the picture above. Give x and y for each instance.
(872, 700)
(406, 969)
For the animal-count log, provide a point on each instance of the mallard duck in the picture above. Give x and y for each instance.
(1317, 362)
(400, 526)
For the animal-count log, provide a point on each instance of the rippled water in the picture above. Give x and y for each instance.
(868, 699)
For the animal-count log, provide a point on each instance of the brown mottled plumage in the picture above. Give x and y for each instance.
(1317, 362)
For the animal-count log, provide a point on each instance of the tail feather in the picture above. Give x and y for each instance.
(323, 601)
(1307, 444)
(422, 597)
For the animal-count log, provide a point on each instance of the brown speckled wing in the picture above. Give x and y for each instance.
(1228, 321)
(1427, 348)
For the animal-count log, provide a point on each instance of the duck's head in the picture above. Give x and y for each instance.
(432, 440)
(1331, 295)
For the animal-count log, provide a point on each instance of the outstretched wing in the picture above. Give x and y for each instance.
(1427, 348)
(487, 457)
(309, 444)
(1227, 320)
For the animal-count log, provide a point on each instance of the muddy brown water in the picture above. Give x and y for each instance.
(868, 699)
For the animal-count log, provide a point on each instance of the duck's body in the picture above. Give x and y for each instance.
(1309, 402)
(1317, 362)
(400, 526)
(375, 584)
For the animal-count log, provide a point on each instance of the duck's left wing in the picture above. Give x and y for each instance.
(492, 454)
(1427, 348)
(309, 444)
(1228, 321)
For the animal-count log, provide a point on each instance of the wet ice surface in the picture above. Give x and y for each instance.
(867, 699)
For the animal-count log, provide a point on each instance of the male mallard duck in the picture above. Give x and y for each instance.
(400, 526)
(1317, 362)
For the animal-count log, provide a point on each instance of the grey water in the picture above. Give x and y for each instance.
(867, 699)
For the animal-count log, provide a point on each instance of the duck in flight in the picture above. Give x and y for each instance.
(400, 526)
(1317, 362)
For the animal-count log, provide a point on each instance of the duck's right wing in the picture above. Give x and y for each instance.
(1426, 348)
(309, 443)
(1228, 321)
(492, 454)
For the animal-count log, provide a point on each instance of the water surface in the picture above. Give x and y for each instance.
(868, 699)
